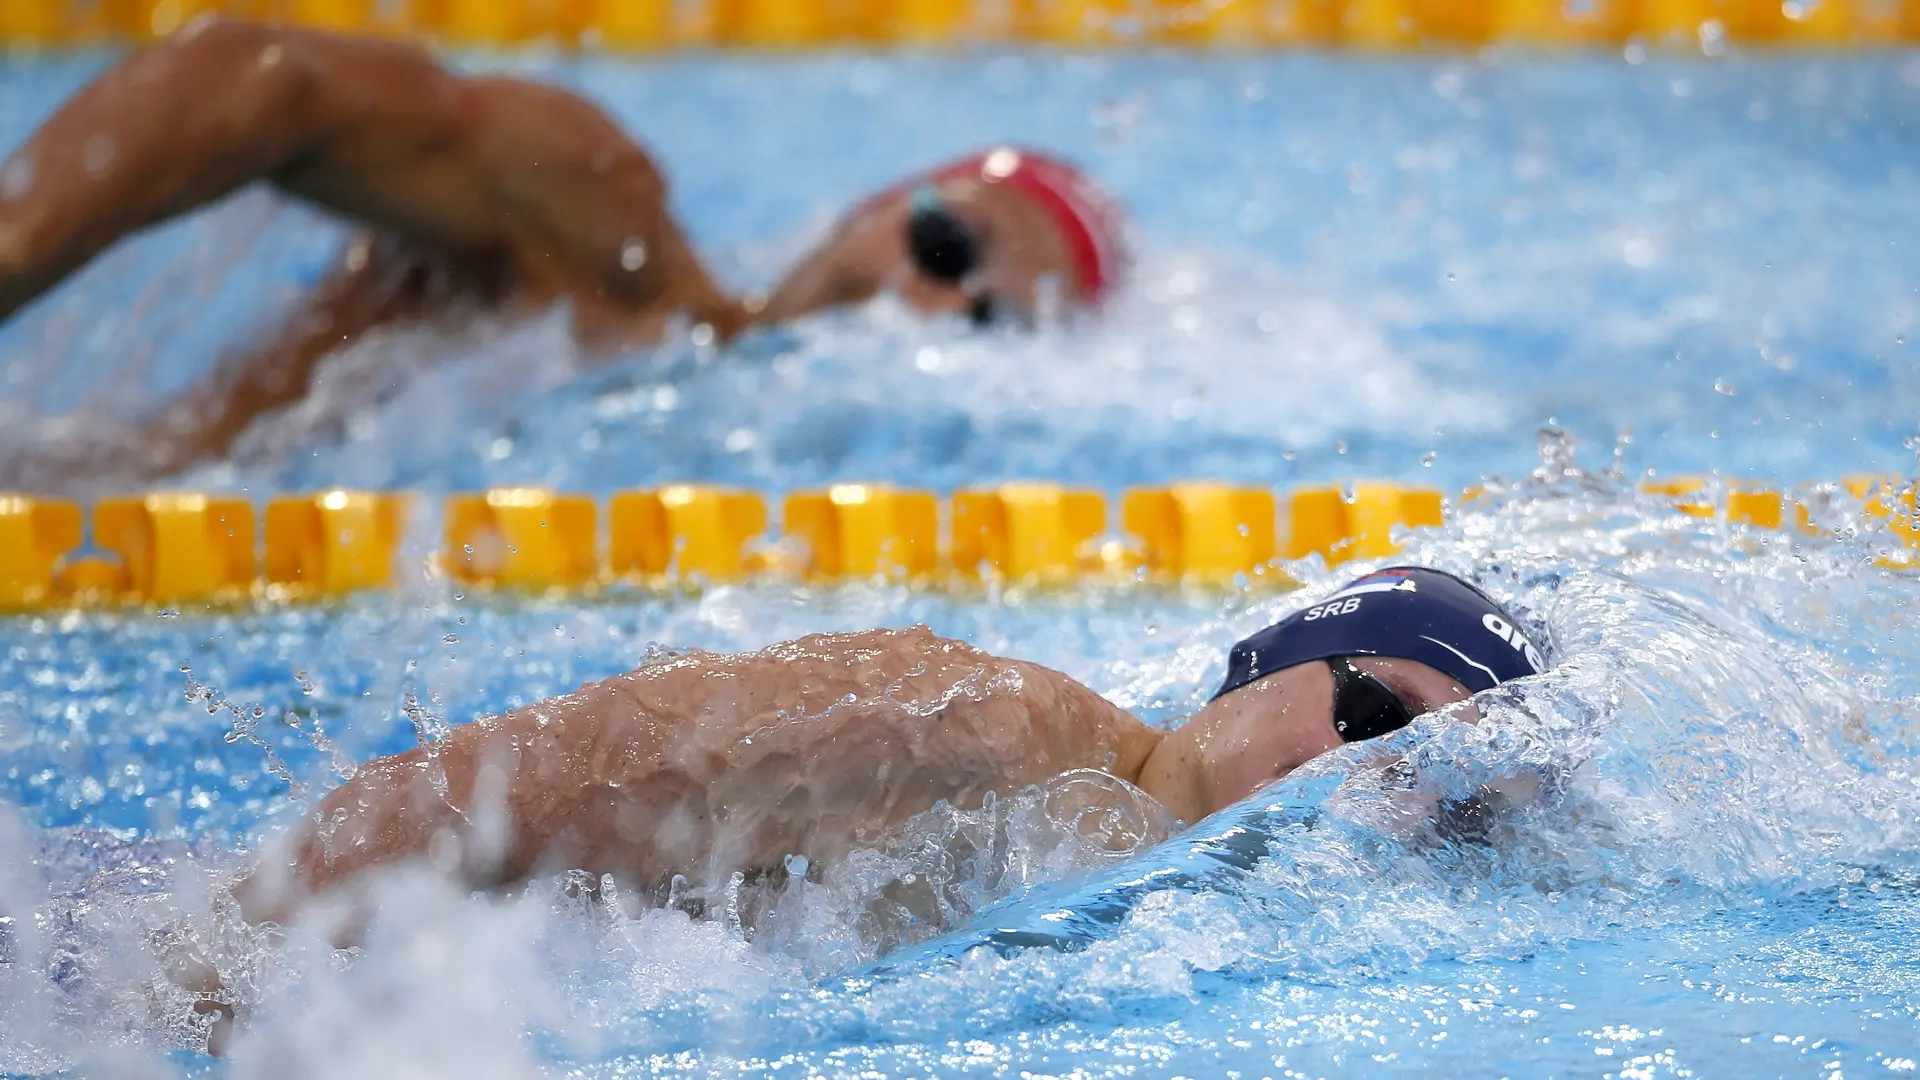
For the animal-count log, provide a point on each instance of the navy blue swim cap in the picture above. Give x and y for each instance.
(1407, 612)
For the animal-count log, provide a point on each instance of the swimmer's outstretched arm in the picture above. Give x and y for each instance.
(849, 268)
(368, 128)
(510, 193)
(709, 763)
(169, 129)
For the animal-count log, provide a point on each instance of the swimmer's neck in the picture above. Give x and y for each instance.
(1232, 747)
(1160, 763)
(1137, 744)
(1147, 759)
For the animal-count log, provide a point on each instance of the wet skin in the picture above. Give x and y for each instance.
(474, 193)
(1021, 247)
(710, 763)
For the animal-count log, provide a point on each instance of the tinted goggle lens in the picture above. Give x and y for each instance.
(1363, 706)
(943, 247)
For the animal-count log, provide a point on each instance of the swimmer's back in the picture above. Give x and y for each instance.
(702, 763)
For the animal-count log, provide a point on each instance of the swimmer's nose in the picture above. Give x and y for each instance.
(943, 247)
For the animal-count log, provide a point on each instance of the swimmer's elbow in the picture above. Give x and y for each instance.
(727, 316)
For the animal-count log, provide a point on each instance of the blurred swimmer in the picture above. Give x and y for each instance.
(706, 764)
(475, 193)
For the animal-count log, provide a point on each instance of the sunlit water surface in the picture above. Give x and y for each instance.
(1345, 267)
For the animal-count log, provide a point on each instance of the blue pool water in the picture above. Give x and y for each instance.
(1346, 267)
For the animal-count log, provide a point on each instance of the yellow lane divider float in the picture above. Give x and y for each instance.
(333, 543)
(1203, 532)
(683, 530)
(173, 549)
(177, 547)
(34, 534)
(1745, 504)
(650, 25)
(1883, 500)
(1025, 531)
(865, 531)
(525, 536)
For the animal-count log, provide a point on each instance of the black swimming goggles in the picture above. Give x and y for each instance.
(1363, 706)
(947, 249)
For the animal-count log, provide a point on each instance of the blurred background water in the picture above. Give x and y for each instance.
(1345, 267)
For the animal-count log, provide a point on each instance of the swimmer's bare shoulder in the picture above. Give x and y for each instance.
(705, 763)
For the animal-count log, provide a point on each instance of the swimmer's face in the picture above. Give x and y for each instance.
(1247, 739)
(984, 250)
(1020, 264)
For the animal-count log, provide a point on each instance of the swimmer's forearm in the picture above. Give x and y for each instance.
(811, 290)
(172, 127)
(826, 279)
(369, 289)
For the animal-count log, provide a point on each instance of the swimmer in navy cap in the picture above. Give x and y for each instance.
(485, 193)
(706, 764)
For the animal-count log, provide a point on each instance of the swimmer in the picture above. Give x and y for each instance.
(704, 765)
(481, 193)
(707, 764)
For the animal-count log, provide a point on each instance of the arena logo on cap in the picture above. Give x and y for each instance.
(1511, 634)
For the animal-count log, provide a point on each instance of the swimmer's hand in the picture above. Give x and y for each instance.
(1415, 806)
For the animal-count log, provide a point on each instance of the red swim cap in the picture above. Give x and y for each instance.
(1088, 218)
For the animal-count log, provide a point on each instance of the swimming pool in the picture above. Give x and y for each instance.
(1347, 267)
